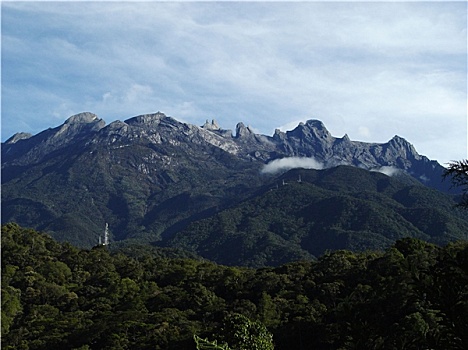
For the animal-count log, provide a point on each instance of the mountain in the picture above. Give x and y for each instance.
(150, 176)
(157, 131)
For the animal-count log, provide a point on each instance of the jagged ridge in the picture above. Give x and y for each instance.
(310, 139)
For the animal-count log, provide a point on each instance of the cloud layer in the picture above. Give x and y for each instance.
(285, 164)
(370, 69)
(388, 170)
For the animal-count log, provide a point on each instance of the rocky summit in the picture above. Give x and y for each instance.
(310, 139)
(151, 175)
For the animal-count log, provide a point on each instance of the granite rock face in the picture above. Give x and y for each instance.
(32, 149)
(310, 139)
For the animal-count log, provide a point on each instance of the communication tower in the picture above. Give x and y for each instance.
(106, 235)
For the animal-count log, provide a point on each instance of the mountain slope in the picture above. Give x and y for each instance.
(151, 175)
(339, 208)
(120, 177)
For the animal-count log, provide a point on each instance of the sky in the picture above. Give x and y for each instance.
(371, 70)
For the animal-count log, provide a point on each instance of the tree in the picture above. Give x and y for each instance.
(11, 306)
(240, 333)
(458, 173)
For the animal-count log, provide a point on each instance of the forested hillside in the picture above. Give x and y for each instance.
(412, 296)
(305, 212)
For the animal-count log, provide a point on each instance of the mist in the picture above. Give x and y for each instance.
(387, 170)
(284, 164)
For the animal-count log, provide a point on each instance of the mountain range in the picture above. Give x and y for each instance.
(157, 180)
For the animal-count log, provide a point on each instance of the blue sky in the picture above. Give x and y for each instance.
(369, 69)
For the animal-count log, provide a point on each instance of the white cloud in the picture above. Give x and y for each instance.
(284, 164)
(388, 170)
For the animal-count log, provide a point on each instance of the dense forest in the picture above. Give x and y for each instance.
(413, 295)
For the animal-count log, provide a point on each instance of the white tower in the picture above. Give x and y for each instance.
(106, 235)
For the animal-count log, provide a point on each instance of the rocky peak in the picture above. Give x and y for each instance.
(82, 118)
(146, 119)
(345, 139)
(211, 126)
(310, 139)
(77, 128)
(279, 135)
(315, 123)
(400, 142)
(17, 137)
(81, 123)
(311, 129)
(402, 148)
(243, 131)
(318, 129)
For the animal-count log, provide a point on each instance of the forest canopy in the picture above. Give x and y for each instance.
(54, 296)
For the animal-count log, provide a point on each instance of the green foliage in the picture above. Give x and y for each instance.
(11, 306)
(238, 333)
(55, 296)
(241, 333)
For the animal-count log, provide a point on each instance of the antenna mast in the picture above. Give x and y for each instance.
(106, 235)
